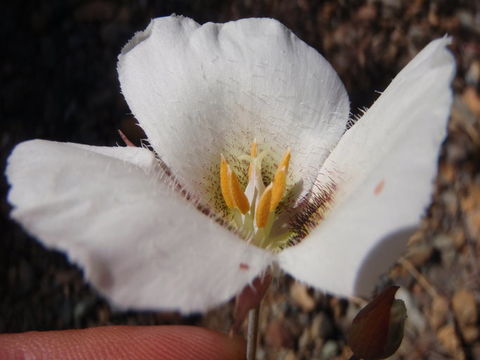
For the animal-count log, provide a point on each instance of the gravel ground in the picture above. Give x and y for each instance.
(59, 82)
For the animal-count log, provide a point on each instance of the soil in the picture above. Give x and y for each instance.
(59, 82)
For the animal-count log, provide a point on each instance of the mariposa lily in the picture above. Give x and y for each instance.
(250, 165)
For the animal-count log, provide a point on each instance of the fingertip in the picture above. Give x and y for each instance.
(124, 342)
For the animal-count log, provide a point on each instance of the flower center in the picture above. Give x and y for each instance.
(254, 210)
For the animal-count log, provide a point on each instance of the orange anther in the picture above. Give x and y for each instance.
(239, 198)
(278, 187)
(225, 183)
(285, 160)
(253, 149)
(263, 207)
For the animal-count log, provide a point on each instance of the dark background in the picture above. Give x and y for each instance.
(58, 82)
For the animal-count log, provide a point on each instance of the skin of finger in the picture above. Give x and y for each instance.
(123, 342)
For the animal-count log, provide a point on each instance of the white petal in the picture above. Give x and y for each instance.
(199, 91)
(140, 244)
(383, 169)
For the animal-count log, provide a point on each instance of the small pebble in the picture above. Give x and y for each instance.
(470, 334)
(449, 340)
(301, 297)
(290, 355)
(464, 307)
(329, 350)
(472, 99)
(439, 312)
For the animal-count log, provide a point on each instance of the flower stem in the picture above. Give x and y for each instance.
(252, 332)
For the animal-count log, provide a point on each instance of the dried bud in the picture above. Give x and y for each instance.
(377, 330)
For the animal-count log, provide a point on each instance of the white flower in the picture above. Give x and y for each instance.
(152, 229)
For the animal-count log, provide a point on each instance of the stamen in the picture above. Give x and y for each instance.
(279, 181)
(285, 160)
(278, 187)
(225, 183)
(239, 198)
(253, 149)
(257, 205)
(263, 207)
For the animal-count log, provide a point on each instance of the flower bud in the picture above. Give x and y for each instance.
(377, 330)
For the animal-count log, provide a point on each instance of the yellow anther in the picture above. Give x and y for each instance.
(279, 181)
(239, 198)
(278, 187)
(232, 193)
(260, 208)
(285, 160)
(253, 149)
(225, 183)
(263, 207)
